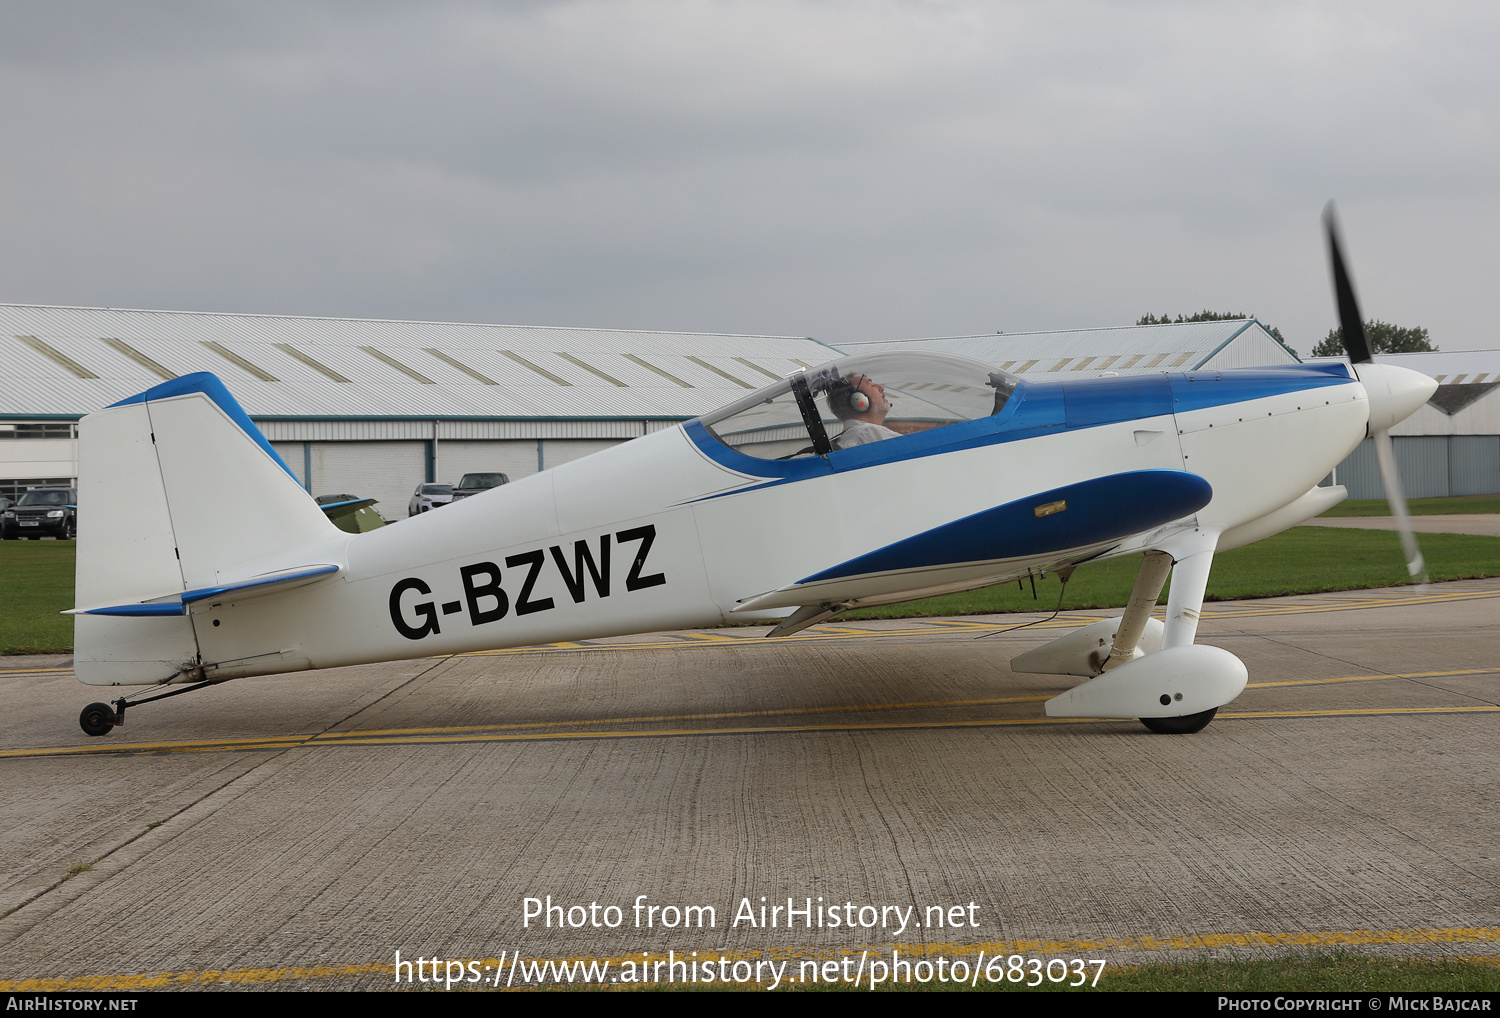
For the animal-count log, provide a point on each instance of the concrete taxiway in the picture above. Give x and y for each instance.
(296, 831)
(1483, 524)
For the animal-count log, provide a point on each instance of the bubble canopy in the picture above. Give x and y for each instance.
(857, 400)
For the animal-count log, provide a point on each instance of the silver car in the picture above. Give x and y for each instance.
(429, 496)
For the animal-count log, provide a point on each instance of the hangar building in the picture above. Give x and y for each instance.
(373, 408)
(1451, 446)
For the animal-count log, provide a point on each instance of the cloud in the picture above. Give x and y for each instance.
(837, 169)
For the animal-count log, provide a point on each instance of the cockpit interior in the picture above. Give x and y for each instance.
(858, 400)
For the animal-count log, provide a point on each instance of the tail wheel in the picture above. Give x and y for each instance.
(1187, 724)
(97, 719)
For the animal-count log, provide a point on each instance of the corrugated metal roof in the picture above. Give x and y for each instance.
(284, 367)
(481, 371)
(1450, 367)
(1127, 350)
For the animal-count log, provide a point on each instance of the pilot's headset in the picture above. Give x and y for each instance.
(844, 400)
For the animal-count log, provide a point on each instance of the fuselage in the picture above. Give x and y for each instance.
(678, 529)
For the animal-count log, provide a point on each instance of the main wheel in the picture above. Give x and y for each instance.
(1187, 724)
(96, 719)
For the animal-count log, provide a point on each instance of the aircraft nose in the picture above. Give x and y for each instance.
(1395, 393)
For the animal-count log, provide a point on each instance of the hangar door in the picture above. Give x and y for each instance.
(388, 471)
(456, 457)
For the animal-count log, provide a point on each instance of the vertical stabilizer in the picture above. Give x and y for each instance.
(178, 490)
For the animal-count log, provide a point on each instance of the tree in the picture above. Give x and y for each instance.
(1383, 337)
(1206, 316)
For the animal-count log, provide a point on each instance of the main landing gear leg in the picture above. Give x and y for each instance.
(98, 718)
(1140, 668)
(1184, 609)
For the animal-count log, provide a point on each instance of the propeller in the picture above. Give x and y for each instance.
(1352, 328)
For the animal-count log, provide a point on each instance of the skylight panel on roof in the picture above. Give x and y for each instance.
(756, 367)
(592, 370)
(385, 358)
(534, 367)
(1083, 362)
(120, 346)
(1106, 362)
(800, 364)
(1131, 361)
(720, 372)
(652, 367)
(462, 367)
(1183, 358)
(1026, 367)
(57, 357)
(324, 369)
(1060, 364)
(1153, 362)
(240, 362)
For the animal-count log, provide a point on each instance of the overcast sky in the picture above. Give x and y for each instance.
(845, 170)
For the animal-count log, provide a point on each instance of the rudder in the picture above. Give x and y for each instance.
(178, 490)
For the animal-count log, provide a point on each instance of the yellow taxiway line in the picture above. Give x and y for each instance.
(526, 731)
(1102, 946)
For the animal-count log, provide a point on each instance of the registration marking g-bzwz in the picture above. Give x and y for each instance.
(487, 601)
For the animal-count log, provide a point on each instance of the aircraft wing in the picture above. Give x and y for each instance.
(338, 510)
(1077, 519)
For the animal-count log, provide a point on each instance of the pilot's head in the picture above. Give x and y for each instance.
(858, 398)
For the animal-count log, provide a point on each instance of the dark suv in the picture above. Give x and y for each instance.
(42, 512)
(473, 484)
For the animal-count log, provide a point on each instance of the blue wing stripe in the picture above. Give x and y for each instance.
(1100, 510)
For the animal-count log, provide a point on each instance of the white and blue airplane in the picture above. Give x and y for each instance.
(865, 481)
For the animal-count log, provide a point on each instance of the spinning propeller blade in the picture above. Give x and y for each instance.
(1351, 325)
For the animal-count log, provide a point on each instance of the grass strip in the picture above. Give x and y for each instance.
(36, 579)
(1456, 505)
(1303, 560)
(36, 582)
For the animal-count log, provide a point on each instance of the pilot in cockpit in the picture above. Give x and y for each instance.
(860, 403)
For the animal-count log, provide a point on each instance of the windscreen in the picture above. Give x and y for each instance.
(47, 498)
(858, 400)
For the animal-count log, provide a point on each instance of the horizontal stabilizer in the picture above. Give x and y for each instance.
(177, 604)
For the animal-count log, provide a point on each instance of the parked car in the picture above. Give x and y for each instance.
(429, 496)
(42, 512)
(473, 484)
